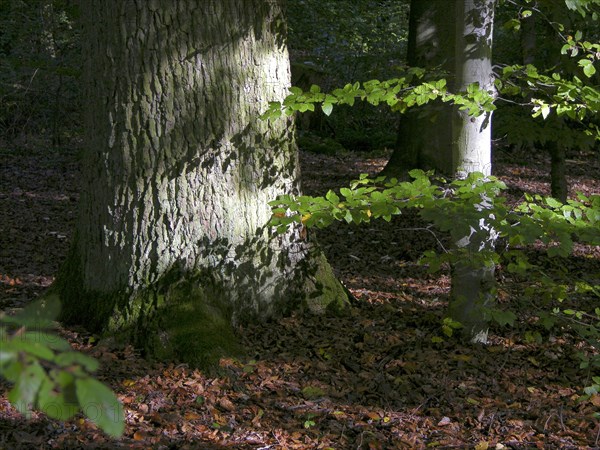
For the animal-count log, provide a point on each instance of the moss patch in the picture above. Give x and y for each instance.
(323, 292)
(192, 324)
(186, 316)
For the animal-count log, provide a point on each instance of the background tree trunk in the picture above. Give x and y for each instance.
(528, 38)
(171, 244)
(425, 133)
(455, 36)
(558, 170)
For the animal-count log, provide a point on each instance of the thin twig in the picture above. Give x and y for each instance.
(428, 229)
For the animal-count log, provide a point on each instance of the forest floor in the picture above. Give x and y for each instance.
(373, 379)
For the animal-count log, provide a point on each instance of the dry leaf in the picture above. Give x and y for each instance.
(226, 404)
(445, 421)
(191, 415)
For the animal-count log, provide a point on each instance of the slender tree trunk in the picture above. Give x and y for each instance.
(455, 35)
(473, 275)
(172, 244)
(558, 171)
(472, 135)
(528, 40)
(425, 133)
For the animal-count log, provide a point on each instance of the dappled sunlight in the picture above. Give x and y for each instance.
(385, 373)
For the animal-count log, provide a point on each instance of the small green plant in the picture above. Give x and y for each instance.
(309, 422)
(449, 325)
(48, 375)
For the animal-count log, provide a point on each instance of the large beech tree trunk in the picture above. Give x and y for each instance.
(473, 275)
(171, 245)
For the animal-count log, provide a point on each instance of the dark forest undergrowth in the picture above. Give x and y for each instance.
(372, 379)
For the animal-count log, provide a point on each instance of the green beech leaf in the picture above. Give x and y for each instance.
(76, 358)
(49, 340)
(100, 405)
(332, 197)
(26, 388)
(35, 349)
(589, 70)
(53, 400)
(553, 203)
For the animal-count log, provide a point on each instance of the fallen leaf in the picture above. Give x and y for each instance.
(445, 421)
(226, 404)
(191, 415)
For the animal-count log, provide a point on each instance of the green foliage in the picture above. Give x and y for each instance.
(583, 6)
(453, 208)
(309, 422)
(561, 88)
(459, 208)
(48, 375)
(449, 326)
(567, 90)
(397, 93)
(570, 97)
(589, 51)
(343, 41)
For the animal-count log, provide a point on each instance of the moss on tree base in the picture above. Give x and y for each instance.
(191, 324)
(323, 293)
(186, 316)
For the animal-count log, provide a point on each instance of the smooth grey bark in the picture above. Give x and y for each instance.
(177, 174)
(473, 278)
(456, 36)
(472, 135)
(425, 133)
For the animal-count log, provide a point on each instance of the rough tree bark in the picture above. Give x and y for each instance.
(171, 245)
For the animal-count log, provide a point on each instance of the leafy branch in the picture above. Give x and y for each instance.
(48, 375)
(398, 93)
(459, 208)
